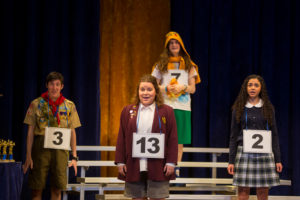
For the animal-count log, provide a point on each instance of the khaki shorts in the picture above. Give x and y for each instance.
(46, 161)
(147, 188)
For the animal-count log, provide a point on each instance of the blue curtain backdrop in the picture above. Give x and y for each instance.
(227, 39)
(38, 37)
(230, 39)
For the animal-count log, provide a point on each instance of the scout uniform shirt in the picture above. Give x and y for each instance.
(40, 116)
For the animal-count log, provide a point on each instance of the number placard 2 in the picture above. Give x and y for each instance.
(148, 145)
(57, 138)
(257, 141)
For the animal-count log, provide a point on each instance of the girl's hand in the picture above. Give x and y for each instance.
(230, 169)
(122, 169)
(168, 170)
(171, 88)
(279, 167)
(178, 88)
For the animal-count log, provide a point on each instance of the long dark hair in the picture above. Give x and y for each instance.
(150, 79)
(242, 98)
(163, 60)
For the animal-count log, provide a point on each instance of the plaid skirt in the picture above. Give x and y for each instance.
(255, 170)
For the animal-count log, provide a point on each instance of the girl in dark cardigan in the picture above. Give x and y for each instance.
(253, 110)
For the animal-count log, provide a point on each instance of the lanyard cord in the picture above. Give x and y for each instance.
(138, 119)
(57, 108)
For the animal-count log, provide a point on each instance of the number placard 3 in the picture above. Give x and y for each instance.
(148, 145)
(57, 138)
(257, 141)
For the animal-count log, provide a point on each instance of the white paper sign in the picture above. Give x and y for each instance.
(148, 145)
(57, 138)
(180, 75)
(257, 141)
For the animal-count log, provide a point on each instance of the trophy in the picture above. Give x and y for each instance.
(11, 145)
(1, 141)
(6, 145)
(4, 154)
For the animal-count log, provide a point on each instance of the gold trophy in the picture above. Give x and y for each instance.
(4, 154)
(11, 145)
(1, 141)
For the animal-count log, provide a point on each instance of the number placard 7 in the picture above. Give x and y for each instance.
(257, 141)
(180, 75)
(148, 145)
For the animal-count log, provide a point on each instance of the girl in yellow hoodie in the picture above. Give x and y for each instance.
(177, 76)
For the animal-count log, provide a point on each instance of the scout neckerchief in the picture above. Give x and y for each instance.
(54, 105)
(138, 119)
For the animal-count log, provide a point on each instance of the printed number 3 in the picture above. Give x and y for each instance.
(155, 143)
(256, 144)
(59, 138)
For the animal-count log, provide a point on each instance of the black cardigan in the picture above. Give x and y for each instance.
(255, 120)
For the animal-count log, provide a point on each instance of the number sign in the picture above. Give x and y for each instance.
(57, 138)
(148, 145)
(180, 75)
(257, 141)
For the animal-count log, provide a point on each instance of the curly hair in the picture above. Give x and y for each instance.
(150, 79)
(242, 98)
(163, 60)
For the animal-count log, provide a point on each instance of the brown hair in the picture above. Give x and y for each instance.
(242, 98)
(54, 76)
(163, 60)
(150, 79)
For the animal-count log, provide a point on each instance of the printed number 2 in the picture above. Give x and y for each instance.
(155, 141)
(59, 137)
(256, 144)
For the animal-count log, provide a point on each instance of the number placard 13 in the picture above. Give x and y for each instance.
(57, 138)
(148, 145)
(257, 141)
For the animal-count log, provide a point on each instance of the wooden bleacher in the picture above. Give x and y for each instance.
(102, 184)
(200, 197)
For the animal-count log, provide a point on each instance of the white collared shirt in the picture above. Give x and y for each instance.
(258, 105)
(145, 122)
(146, 116)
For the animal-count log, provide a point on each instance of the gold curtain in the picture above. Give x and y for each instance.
(132, 37)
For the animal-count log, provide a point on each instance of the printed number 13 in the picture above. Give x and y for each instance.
(155, 143)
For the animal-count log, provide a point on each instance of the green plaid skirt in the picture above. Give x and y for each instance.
(255, 170)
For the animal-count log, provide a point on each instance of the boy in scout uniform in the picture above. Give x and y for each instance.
(47, 113)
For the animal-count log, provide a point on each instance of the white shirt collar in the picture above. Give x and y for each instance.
(151, 107)
(258, 105)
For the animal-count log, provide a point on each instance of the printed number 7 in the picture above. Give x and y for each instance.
(176, 75)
